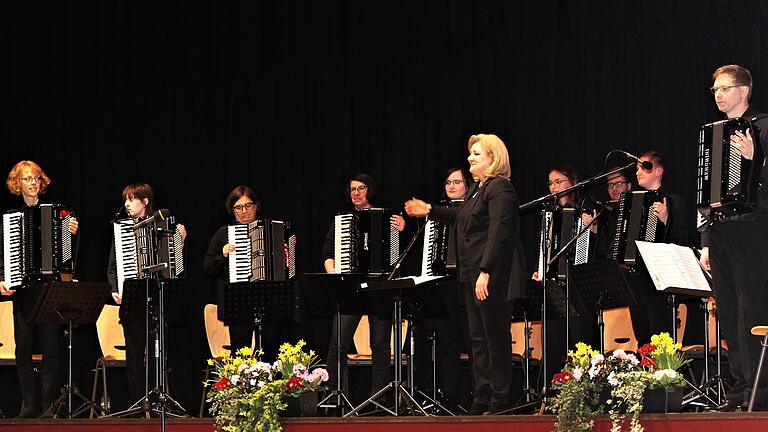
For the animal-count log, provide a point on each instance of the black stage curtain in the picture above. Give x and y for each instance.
(294, 97)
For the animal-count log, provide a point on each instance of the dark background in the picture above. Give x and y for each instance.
(295, 97)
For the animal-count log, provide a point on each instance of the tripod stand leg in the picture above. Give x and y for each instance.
(373, 398)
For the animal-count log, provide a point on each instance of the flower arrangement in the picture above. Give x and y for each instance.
(248, 394)
(592, 382)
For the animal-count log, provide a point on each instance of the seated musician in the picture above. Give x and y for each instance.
(138, 201)
(652, 314)
(360, 191)
(29, 181)
(615, 185)
(241, 203)
(582, 329)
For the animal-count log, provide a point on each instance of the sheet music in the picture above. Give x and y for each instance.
(674, 268)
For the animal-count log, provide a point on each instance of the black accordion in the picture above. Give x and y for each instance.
(635, 221)
(37, 244)
(265, 250)
(726, 182)
(438, 257)
(365, 242)
(563, 224)
(137, 250)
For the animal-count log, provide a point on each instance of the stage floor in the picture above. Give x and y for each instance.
(711, 422)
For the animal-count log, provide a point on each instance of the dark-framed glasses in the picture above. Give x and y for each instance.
(556, 182)
(361, 188)
(617, 185)
(31, 179)
(244, 207)
(453, 182)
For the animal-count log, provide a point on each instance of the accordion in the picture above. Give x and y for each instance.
(265, 250)
(563, 224)
(438, 256)
(37, 244)
(635, 221)
(365, 242)
(726, 182)
(145, 247)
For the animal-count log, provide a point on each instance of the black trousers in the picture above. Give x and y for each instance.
(652, 314)
(489, 325)
(740, 273)
(380, 334)
(48, 336)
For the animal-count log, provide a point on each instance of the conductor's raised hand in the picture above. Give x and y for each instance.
(417, 208)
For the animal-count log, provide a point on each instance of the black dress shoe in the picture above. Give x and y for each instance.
(27, 412)
(477, 408)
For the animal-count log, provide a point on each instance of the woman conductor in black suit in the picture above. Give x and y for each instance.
(491, 266)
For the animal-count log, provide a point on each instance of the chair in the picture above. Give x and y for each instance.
(8, 349)
(619, 332)
(362, 341)
(758, 331)
(112, 343)
(218, 343)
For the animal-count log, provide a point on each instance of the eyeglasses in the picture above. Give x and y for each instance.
(616, 185)
(30, 179)
(557, 182)
(453, 182)
(362, 188)
(723, 89)
(243, 207)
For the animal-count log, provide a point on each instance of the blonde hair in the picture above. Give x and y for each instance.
(14, 177)
(496, 150)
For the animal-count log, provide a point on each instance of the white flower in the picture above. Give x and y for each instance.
(597, 358)
(260, 384)
(234, 379)
(241, 367)
(613, 379)
(253, 382)
(665, 375)
(577, 373)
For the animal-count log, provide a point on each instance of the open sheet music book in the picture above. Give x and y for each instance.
(401, 282)
(674, 269)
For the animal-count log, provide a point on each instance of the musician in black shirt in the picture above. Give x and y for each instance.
(734, 247)
(652, 314)
(138, 201)
(361, 192)
(28, 180)
(243, 205)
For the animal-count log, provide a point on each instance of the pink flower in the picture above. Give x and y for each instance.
(300, 370)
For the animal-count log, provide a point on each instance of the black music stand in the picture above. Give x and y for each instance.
(144, 303)
(335, 294)
(256, 302)
(600, 285)
(70, 303)
(396, 287)
(426, 302)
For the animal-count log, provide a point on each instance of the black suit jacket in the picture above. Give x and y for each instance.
(487, 237)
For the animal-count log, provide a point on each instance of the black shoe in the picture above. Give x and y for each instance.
(477, 408)
(27, 412)
(498, 408)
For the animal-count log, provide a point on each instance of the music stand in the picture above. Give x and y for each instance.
(335, 294)
(396, 287)
(256, 302)
(426, 302)
(600, 285)
(143, 302)
(70, 303)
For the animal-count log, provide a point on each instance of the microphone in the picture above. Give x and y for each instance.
(647, 165)
(161, 214)
(589, 203)
(120, 211)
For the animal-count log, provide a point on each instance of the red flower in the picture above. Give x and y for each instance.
(563, 376)
(649, 362)
(294, 383)
(222, 384)
(646, 349)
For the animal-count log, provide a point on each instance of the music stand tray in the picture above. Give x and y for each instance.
(600, 285)
(70, 303)
(275, 301)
